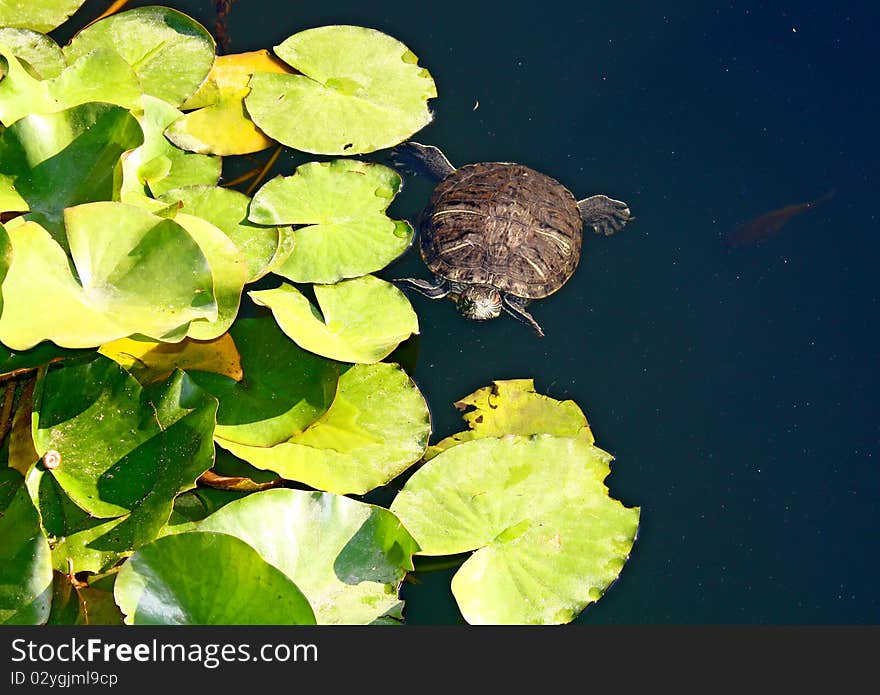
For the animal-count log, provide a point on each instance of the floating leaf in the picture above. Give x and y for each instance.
(81, 605)
(126, 283)
(149, 360)
(54, 161)
(361, 320)
(124, 449)
(158, 166)
(262, 247)
(342, 205)
(549, 539)
(25, 563)
(42, 15)
(284, 390)
(347, 557)
(39, 51)
(207, 579)
(220, 124)
(360, 91)
(170, 52)
(513, 407)
(79, 541)
(377, 427)
(99, 76)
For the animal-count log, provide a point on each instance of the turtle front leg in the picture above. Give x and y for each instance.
(415, 158)
(516, 307)
(605, 215)
(436, 291)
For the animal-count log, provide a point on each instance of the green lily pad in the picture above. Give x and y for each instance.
(39, 51)
(262, 247)
(157, 166)
(228, 269)
(283, 391)
(124, 449)
(44, 353)
(170, 52)
(55, 161)
(126, 283)
(25, 562)
(513, 407)
(81, 605)
(360, 90)
(79, 541)
(341, 207)
(207, 579)
(99, 76)
(360, 320)
(548, 538)
(39, 15)
(219, 123)
(347, 557)
(377, 427)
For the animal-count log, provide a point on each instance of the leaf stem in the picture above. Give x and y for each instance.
(6, 410)
(265, 170)
(113, 9)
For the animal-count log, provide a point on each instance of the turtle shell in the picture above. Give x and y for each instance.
(503, 225)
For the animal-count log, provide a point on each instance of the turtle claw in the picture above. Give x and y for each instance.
(605, 215)
(417, 159)
(516, 307)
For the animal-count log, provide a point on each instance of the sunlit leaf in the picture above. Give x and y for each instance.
(124, 449)
(150, 360)
(25, 563)
(549, 539)
(513, 407)
(99, 76)
(39, 15)
(377, 427)
(360, 320)
(170, 52)
(54, 161)
(340, 208)
(39, 51)
(347, 557)
(127, 282)
(284, 390)
(262, 247)
(207, 579)
(360, 90)
(158, 166)
(220, 123)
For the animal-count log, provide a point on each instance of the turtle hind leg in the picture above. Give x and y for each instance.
(414, 158)
(516, 307)
(437, 290)
(605, 215)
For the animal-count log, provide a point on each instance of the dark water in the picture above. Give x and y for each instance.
(737, 389)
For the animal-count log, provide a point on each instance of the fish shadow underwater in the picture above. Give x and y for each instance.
(759, 229)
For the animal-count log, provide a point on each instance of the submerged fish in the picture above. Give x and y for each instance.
(767, 225)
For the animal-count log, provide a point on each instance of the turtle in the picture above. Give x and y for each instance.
(497, 235)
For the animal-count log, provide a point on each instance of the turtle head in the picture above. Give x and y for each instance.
(479, 302)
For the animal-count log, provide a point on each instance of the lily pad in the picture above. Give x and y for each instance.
(262, 247)
(360, 90)
(82, 605)
(512, 406)
(158, 166)
(124, 449)
(219, 123)
(171, 53)
(150, 360)
(126, 283)
(360, 320)
(39, 51)
(25, 562)
(340, 207)
(99, 76)
(284, 388)
(377, 427)
(44, 15)
(548, 538)
(207, 579)
(54, 161)
(347, 557)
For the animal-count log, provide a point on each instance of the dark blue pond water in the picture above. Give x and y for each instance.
(737, 390)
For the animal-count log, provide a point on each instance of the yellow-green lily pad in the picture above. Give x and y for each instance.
(39, 51)
(39, 15)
